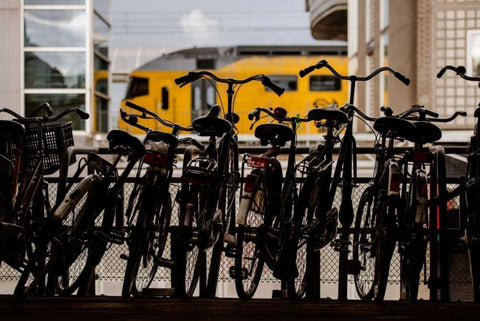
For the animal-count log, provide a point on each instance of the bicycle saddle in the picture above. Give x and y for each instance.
(211, 124)
(11, 128)
(427, 132)
(125, 143)
(274, 134)
(329, 113)
(401, 127)
(167, 138)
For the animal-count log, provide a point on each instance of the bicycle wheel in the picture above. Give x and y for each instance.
(190, 254)
(249, 258)
(364, 245)
(147, 243)
(385, 241)
(76, 224)
(302, 238)
(33, 278)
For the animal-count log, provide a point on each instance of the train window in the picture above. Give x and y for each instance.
(137, 87)
(165, 98)
(289, 82)
(324, 83)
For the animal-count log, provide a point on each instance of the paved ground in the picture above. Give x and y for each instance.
(117, 309)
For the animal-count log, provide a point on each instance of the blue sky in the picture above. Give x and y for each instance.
(188, 23)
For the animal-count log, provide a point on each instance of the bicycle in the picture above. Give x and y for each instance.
(345, 171)
(375, 232)
(149, 206)
(74, 244)
(266, 204)
(208, 194)
(469, 190)
(31, 148)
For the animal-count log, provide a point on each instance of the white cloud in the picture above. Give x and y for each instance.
(197, 22)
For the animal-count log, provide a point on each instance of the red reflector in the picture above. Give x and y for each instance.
(258, 162)
(156, 159)
(420, 157)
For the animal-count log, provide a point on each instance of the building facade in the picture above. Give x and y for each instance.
(56, 51)
(417, 38)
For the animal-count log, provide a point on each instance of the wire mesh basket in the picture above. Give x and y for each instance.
(11, 138)
(56, 138)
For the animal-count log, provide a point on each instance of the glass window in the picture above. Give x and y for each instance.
(54, 70)
(101, 113)
(102, 7)
(55, 2)
(99, 63)
(101, 85)
(288, 82)
(137, 87)
(324, 83)
(101, 31)
(55, 28)
(58, 102)
(473, 54)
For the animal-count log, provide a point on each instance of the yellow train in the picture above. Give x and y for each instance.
(153, 86)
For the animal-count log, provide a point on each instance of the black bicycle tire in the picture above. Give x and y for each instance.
(359, 233)
(297, 285)
(247, 292)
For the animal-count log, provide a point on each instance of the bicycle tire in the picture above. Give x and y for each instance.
(301, 242)
(147, 243)
(33, 276)
(385, 242)
(228, 207)
(364, 244)
(190, 255)
(249, 258)
(77, 224)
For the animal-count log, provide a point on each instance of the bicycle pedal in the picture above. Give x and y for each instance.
(233, 273)
(124, 257)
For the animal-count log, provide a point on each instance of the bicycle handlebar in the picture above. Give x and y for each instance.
(460, 70)
(422, 115)
(45, 106)
(194, 75)
(45, 119)
(132, 119)
(324, 63)
(255, 116)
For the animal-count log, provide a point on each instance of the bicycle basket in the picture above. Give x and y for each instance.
(11, 138)
(56, 139)
(200, 170)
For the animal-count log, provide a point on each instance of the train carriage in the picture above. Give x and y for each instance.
(152, 85)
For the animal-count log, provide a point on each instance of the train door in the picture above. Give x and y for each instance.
(203, 97)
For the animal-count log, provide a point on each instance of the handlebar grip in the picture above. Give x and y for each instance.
(402, 78)
(441, 72)
(462, 113)
(254, 114)
(82, 114)
(48, 108)
(306, 71)
(190, 77)
(431, 113)
(135, 106)
(277, 89)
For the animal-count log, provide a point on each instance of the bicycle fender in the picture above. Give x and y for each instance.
(72, 198)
